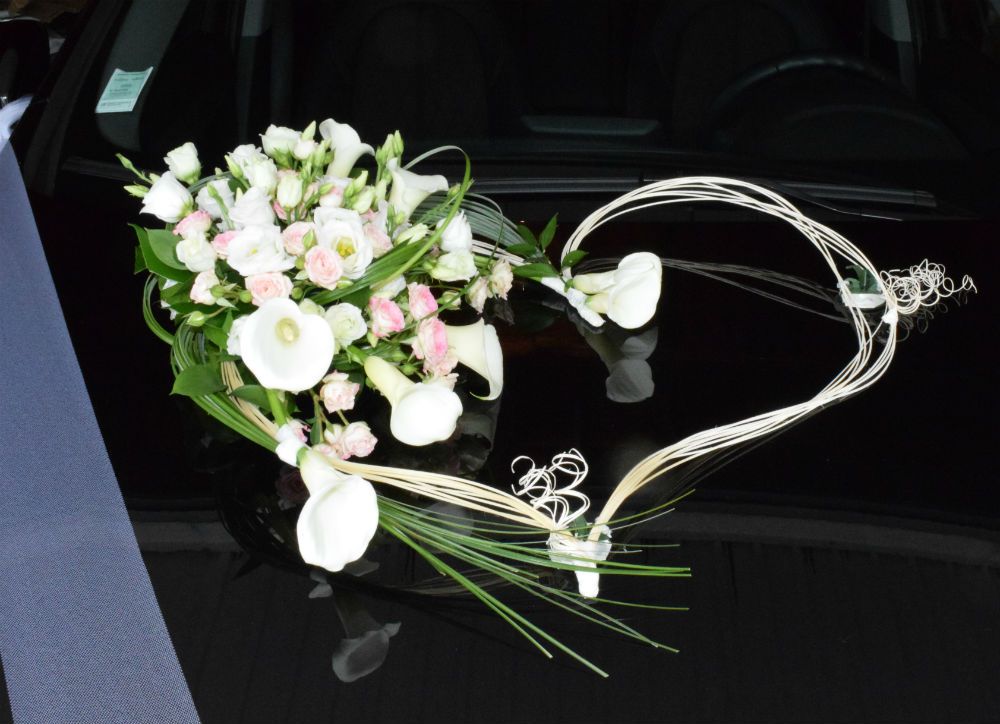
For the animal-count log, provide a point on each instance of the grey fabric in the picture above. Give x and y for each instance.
(81, 636)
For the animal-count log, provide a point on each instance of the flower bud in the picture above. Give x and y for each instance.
(246, 297)
(290, 191)
(364, 200)
(196, 319)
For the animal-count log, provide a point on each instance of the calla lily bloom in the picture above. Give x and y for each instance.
(629, 294)
(409, 189)
(346, 145)
(285, 348)
(477, 347)
(422, 412)
(340, 517)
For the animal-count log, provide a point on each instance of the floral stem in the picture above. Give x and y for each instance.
(277, 407)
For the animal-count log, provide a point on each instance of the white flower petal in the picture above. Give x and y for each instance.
(285, 348)
(340, 518)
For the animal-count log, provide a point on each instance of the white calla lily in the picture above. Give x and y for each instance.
(422, 412)
(346, 146)
(340, 518)
(409, 189)
(629, 294)
(285, 348)
(477, 347)
(567, 549)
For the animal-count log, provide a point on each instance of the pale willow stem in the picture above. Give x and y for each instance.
(904, 291)
(904, 294)
(446, 488)
(233, 381)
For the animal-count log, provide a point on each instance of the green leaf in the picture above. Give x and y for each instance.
(139, 265)
(523, 249)
(153, 262)
(535, 271)
(215, 334)
(545, 238)
(527, 235)
(179, 293)
(572, 258)
(164, 244)
(198, 380)
(254, 394)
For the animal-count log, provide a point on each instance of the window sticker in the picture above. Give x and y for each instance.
(122, 90)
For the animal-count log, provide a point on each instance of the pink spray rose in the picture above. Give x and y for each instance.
(421, 301)
(374, 228)
(201, 290)
(292, 236)
(431, 345)
(479, 292)
(354, 440)
(324, 267)
(270, 285)
(197, 222)
(338, 392)
(386, 316)
(357, 441)
(501, 278)
(221, 242)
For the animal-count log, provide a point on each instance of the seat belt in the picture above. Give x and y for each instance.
(82, 638)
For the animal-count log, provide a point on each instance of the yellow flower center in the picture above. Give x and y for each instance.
(287, 330)
(345, 246)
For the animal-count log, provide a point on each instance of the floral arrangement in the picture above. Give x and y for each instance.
(311, 271)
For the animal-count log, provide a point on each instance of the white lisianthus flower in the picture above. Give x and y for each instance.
(347, 323)
(457, 236)
(233, 340)
(196, 253)
(252, 208)
(262, 174)
(278, 140)
(183, 163)
(477, 347)
(342, 231)
(409, 189)
(209, 204)
(454, 266)
(567, 549)
(629, 294)
(285, 348)
(201, 290)
(167, 199)
(289, 192)
(340, 518)
(258, 250)
(423, 412)
(346, 146)
(244, 155)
